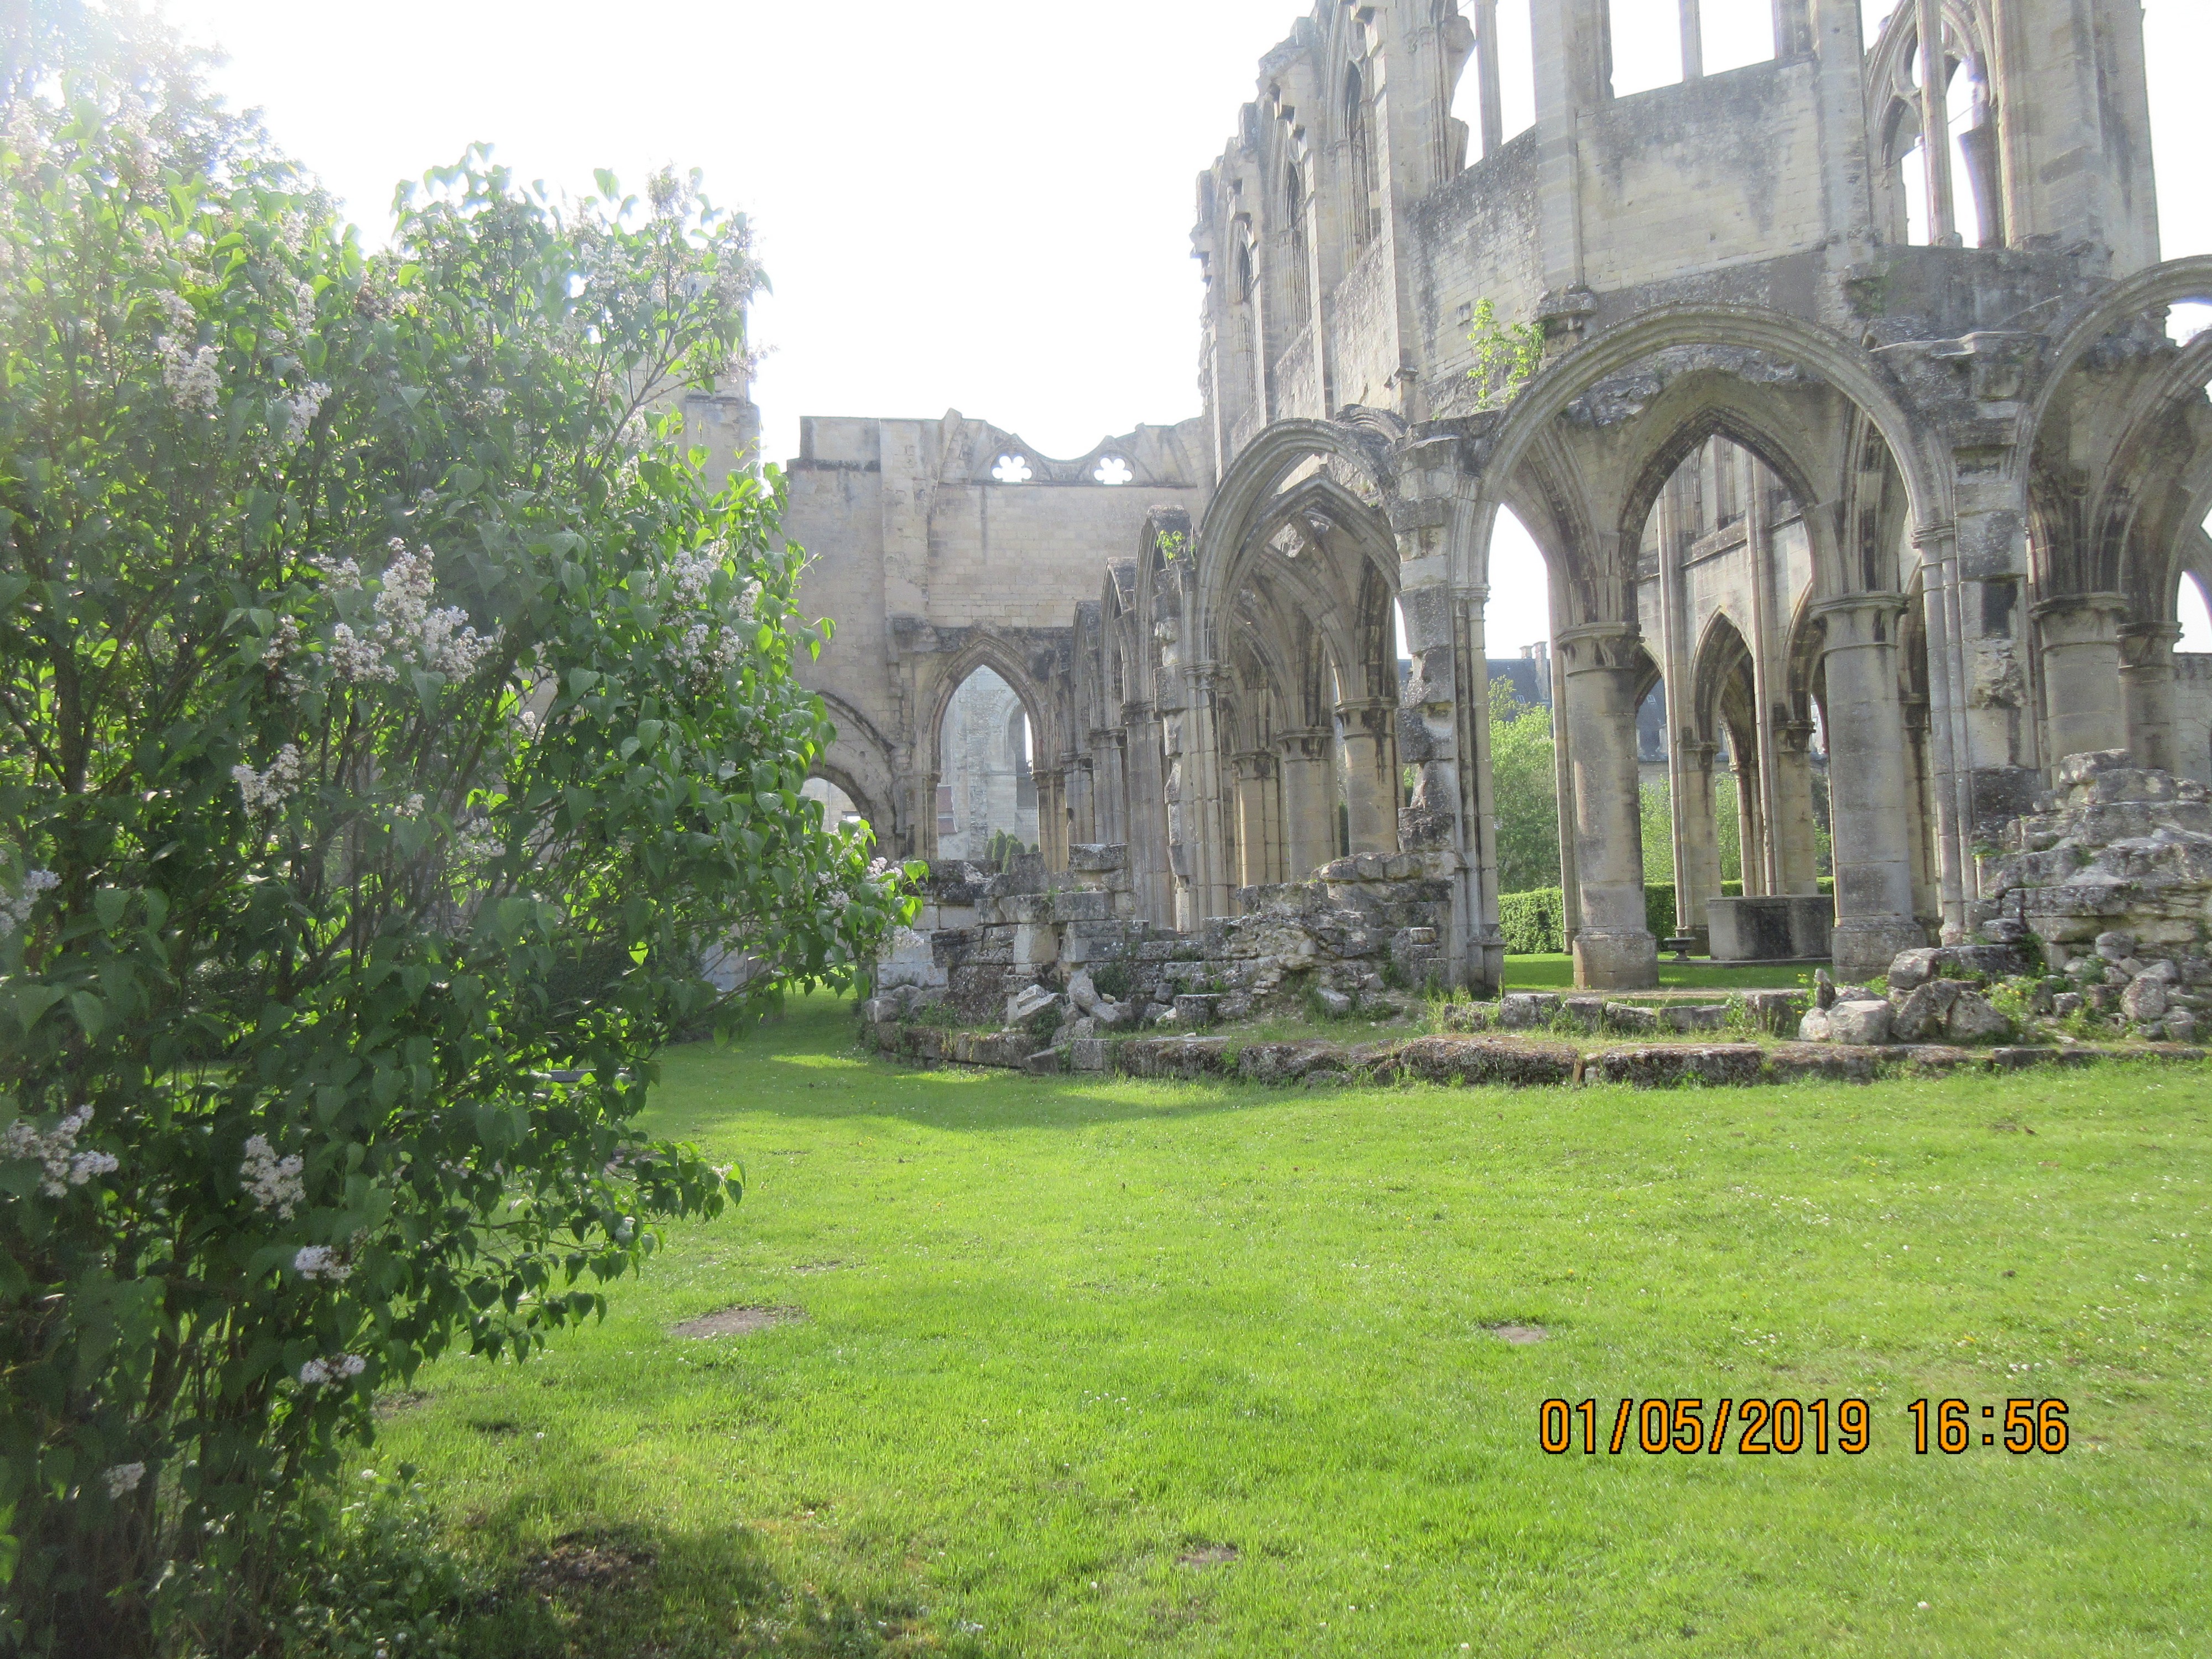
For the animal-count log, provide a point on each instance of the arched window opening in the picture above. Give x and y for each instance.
(1245, 271)
(1365, 179)
(986, 788)
(1495, 95)
(1113, 471)
(1294, 219)
(838, 808)
(2188, 320)
(2195, 617)
(1963, 207)
(1012, 469)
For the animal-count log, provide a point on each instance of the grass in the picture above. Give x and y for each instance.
(1068, 1343)
(1556, 973)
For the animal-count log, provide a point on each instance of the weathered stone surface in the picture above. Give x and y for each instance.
(1826, 1061)
(1088, 1054)
(2144, 1002)
(1473, 1061)
(1630, 1016)
(1583, 1013)
(1973, 1019)
(1173, 1057)
(1335, 1002)
(1047, 1062)
(1816, 1027)
(1026, 1004)
(1524, 1011)
(1194, 1008)
(1470, 1016)
(1774, 1011)
(1289, 1062)
(1694, 1016)
(1664, 1065)
(1920, 1015)
(1860, 1022)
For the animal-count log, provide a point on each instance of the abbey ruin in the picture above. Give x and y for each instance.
(1879, 463)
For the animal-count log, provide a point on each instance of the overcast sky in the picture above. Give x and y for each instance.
(984, 209)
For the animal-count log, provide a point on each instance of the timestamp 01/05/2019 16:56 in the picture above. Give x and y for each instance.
(1785, 1427)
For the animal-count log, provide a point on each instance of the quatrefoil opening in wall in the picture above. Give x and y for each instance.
(1114, 470)
(1012, 469)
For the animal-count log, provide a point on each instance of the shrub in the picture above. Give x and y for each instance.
(394, 719)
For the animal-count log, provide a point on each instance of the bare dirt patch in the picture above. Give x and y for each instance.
(587, 1561)
(1207, 1555)
(1520, 1335)
(738, 1321)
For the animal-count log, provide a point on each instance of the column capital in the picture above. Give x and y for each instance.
(2147, 645)
(2082, 605)
(1106, 737)
(1858, 622)
(1608, 647)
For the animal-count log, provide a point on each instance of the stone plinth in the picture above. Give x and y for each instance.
(1795, 927)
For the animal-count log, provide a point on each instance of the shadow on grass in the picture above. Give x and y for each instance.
(626, 1591)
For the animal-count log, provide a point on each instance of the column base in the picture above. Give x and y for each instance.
(1864, 947)
(1609, 961)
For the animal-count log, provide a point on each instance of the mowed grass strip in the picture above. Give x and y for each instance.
(1064, 1367)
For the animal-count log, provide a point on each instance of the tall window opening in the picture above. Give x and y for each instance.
(1647, 46)
(1294, 213)
(987, 794)
(1366, 180)
(1735, 34)
(1497, 92)
(1966, 213)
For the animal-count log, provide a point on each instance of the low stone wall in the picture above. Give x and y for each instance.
(1482, 1061)
(985, 939)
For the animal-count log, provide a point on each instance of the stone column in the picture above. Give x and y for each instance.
(1614, 949)
(1082, 808)
(1052, 818)
(1149, 873)
(1868, 797)
(1208, 843)
(1700, 837)
(1370, 767)
(1309, 776)
(1794, 833)
(1257, 825)
(2084, 706)
(1110, 786)
(1750, 832)
(2147, 669)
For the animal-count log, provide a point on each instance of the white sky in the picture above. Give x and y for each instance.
(987, 210)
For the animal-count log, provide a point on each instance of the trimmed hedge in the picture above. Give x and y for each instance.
(1535, 923)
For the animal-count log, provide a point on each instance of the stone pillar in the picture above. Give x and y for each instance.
(1308, 779)
(1794, 833)
(1614, 949)
(1700, 837)
(1258, 825)
(1150, 876)
(1110, 784)
(1082, 808)
(2146, 669)
(2084, 706)
(1935, 128)
(1750, 832)
(1208, 843)
(1370, 773)
(1868, 799)
(1052, 818)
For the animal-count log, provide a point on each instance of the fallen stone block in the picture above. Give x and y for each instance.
(1860, 1023)
(1583, 1013)
(1087, 1055)
(1524, 1011)
(1973, 1019)
(1196, 1008)
(1047, 1062)
(1774, 1011)
(1337, 1004)
(1665, 1064)
(1695, 1017)
(1468, 1015)
(1934, 1057)
(1816, 1027)
(1630, 1016)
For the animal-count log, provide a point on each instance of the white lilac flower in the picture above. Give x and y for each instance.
(301, 410)
(264, 791)
(192, 375)
(124, 1478)
(407, 626)
(337, 1369)
(320, 1261)
(15, 909)
(55, 1150)
(273, 1182)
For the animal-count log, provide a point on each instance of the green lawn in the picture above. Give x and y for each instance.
(1060, 1334)
(1556, 973)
